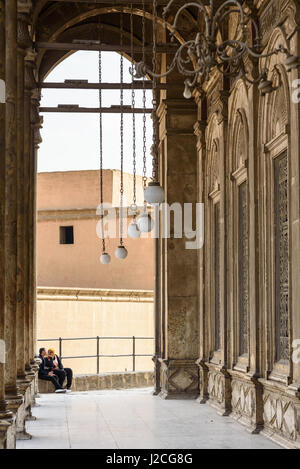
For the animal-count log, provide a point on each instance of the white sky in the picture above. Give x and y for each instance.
(71, 141)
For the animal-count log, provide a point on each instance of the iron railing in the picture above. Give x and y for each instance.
(98, 340)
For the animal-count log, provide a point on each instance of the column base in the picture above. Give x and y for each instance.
(157, 386)
(219, 389)
(247, 401)
(5, 414)
(7, 435)
(14, 398)
(179, 379)
(203, 382)
(23, 436)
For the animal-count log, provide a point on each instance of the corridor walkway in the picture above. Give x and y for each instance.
(133, 419)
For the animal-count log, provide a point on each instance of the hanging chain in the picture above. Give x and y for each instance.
(101, 148)
(154, 99)
(144, 103)
(121, 128)
(134, 207)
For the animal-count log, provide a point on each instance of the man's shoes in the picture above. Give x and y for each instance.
(68, 390)
(60, 391)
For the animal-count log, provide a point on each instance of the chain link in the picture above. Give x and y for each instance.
(155, 150)
(133, 117)
(101, 148)
(121, 128)
(144, 102)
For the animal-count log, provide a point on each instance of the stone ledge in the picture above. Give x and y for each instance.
(91, 382)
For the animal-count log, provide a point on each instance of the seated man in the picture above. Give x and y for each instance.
(48, 375)
(53, 363)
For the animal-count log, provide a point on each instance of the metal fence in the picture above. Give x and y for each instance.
(98, 356)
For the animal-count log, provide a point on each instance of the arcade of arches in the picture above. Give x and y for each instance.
(227, 314)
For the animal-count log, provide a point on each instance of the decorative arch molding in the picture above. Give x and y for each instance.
(238, 137)
(51, 59)
(275, 107)
(240, 140)
(64, 22)
(212, 170)
(274, 137)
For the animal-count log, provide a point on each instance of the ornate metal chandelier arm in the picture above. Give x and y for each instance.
(245, 48)
(277, 51)
(142, 70)
(249, 17)
(192, 83)
(233, 3)
(232, 44)
(252, 82)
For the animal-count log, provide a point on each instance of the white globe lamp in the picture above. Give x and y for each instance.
(154, 194)
(145, 223)
(133, 231)
(121, 252)
(105, 258)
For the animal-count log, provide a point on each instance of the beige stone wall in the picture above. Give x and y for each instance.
(71, 199)
(70, 313)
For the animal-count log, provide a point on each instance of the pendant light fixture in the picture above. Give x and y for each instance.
(121, 251)
(145, 222)
(154, 194)
(133, 229)
(105, 257)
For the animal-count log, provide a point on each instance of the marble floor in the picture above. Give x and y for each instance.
(129, 419)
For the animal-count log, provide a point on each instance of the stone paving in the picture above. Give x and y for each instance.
(128, 419)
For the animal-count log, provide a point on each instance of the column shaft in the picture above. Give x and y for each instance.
(11, 195)
(179, 372)
(36, 140)
(3, 403)
(29, 85)
(20, 222)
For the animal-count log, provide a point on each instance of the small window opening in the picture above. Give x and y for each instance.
(66, 234)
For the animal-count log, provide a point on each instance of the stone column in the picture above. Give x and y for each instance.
(157, 312)
(180, 323)
(295, 217)
(36, 121)
(215, 378)
(23, 43)
(30, 85)
(3, 403)
(11, 161)
(200, 130)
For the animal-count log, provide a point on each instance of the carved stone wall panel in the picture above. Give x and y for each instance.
(246, 401)
(282, 417)
(219, 389)
(281, 257)
(217, 276)
(243, 399)
(179, 378)
(243, 281)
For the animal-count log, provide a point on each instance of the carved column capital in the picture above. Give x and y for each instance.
(199, 130)
(30, 67)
